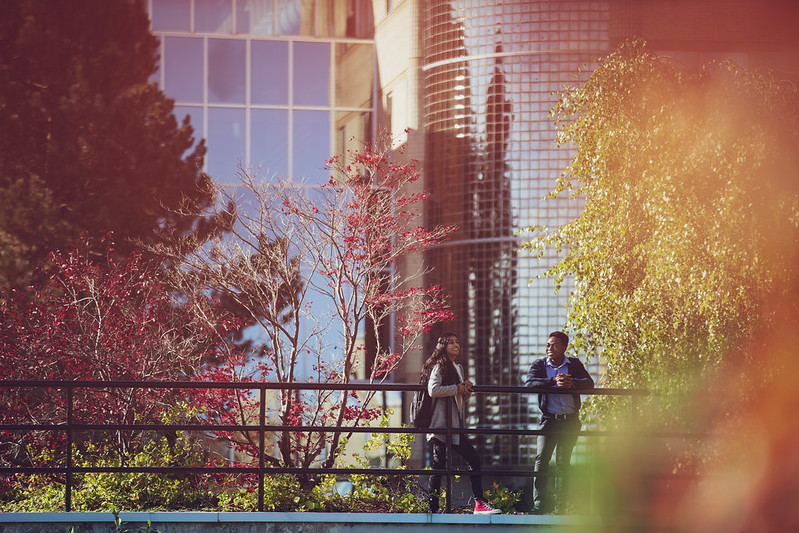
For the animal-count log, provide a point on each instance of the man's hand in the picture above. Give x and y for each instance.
(564, 380)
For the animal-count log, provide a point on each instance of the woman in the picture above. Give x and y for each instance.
(445, 383)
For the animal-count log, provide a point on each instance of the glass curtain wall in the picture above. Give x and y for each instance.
(275, 84)
(490, 70)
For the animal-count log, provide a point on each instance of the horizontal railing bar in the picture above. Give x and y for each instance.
(254, 470)
(205, 427)
(210, 385)
(337, 429)
(601, 391)
(220, 470)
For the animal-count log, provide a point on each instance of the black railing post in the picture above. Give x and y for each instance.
(261, 443)
(385, 440)
(448, 418)
(68, 481)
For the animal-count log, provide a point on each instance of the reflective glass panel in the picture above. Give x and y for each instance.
(311, 73)
(212, 16)
(491, 71)
(270, 72)
(269, 141)
(354, 68)
(183, 68)
(225, 142)
(226, 71)
(352, 129)
(311, 144)
(255, 16)
(289, 16)
(172, 15)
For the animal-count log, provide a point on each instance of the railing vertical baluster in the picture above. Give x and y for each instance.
(385, 442)
(261, 443)
(68, 483)
(448, 418)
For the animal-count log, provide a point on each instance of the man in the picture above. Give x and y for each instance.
(560, 417)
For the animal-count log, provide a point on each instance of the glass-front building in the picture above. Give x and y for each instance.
(283, 84)
(469, 85)
(490, 72)
(275, 84)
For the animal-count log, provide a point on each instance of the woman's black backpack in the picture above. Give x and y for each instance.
(422, 407)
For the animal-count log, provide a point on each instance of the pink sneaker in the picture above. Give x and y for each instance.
(483, 507)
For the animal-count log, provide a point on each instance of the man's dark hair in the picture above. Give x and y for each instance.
(560, 335)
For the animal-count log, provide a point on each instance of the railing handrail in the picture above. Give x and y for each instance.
(309, 385)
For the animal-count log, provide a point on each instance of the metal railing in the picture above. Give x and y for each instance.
(70, 427)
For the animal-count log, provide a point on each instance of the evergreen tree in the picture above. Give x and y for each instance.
(87, 142)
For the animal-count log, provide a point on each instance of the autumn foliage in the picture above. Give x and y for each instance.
(304, 275)
(316, 268)
(105, 321)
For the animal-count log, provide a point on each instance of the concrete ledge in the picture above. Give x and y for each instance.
(191, 522)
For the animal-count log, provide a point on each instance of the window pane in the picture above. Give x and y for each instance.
(226, 65)
(269, 141)
(311, 73)
(289, 16)
(354, 75)
(270, 72)
(212, 16)
(183, 64)
(353, 128)
(360, 18)
(225, 142)
(171, 15)
(311, 145)
(255, 16)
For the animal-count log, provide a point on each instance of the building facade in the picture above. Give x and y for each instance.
(489, 78)
(280, 84)
(468, 85)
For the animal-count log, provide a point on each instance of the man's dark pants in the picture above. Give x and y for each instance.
(560, 436)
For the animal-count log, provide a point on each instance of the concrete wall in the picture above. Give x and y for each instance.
(195, 522)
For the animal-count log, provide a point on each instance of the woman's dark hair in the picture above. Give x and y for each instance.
(449, 376)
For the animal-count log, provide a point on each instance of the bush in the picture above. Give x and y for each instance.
(285, 492)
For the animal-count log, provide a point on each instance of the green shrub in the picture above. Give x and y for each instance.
(382, 493)
(285, 492)
(503, 498)
(101, 491)
(134, 491)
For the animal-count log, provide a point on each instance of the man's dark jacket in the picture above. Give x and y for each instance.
(537, 377)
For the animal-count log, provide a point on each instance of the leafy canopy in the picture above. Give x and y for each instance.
(691, 212)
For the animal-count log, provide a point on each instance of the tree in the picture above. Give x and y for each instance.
(86, 141)
(328, 251)
(690, 223)
(104, 322)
